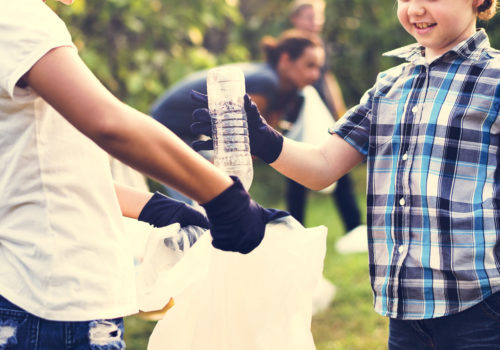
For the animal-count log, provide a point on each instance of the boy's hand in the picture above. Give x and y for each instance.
(161, 211)
(265, 142)
(237, 223)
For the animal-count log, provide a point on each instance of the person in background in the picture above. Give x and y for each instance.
(429, 130)
(66, 271)
(292, 61)
(309, 16)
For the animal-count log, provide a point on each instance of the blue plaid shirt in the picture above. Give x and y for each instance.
(431, 135)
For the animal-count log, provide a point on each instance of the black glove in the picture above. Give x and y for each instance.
(161, 211)
(237, 223)
(265, 142)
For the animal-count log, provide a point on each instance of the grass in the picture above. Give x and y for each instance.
(350, 323)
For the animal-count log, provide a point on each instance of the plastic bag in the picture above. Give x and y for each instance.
(228, 301)
(165, 247)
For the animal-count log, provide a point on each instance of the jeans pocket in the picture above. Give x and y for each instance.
(11, 320)
(492, 306)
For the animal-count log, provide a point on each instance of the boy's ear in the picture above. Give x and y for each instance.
(477, 3)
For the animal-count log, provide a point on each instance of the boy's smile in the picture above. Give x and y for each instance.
(438, 25)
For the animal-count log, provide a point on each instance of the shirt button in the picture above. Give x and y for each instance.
(402, 201)
(414, 109)
(401, 249)
(405, 156)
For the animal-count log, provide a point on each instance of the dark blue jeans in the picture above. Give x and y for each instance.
(477, 328)
(20, 330)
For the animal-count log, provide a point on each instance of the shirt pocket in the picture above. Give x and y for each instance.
(385, 122)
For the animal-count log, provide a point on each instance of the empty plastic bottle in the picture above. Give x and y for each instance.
(226, 89)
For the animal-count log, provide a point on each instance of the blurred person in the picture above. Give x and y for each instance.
(66, 271)
(309, 16)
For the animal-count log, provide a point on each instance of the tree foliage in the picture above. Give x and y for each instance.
(138, 48)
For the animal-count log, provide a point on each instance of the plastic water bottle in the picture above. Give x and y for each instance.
(226, 89)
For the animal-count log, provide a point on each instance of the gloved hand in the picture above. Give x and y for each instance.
(265, 142)
(237, 223)
(161, 211)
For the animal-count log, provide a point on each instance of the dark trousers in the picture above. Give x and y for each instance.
(343, 196)
(477, 328)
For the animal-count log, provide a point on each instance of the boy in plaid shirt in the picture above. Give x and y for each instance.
(429, 131)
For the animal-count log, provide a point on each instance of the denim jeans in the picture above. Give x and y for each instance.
(20, 330)
(477, 328)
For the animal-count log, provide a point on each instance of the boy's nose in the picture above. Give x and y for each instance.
(415, 8)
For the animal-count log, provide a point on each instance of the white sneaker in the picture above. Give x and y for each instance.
(323, 295)
(354, 241)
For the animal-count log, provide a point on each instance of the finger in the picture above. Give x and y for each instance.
(271, 214)
(199, 97)
(202, 145)
(201, 128)
(250, 107)
(201, 115)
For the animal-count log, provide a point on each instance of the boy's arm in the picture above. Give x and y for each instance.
(317, 167)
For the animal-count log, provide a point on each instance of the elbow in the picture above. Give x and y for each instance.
(321, 186)
(108, 126)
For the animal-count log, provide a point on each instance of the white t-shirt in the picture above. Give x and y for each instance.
(63, 253)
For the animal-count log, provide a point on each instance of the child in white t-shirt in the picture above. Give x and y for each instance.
(65, 264)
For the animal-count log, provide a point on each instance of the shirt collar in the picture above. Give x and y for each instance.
(471, 48)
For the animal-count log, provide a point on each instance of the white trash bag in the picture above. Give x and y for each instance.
(231, 301)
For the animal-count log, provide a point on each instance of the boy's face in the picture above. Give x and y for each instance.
(438, 25)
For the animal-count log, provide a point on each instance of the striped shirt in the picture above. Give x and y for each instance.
(431, 135)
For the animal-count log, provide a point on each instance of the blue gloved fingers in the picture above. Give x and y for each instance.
(202, 125)
(188, 216)
(202, 122)
(161, 211)
(199, 145)
(251, 109)
(271, 214)
(199, 97)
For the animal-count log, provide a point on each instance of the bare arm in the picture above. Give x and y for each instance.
(333, 89)
(64, 81)
(131, 200)
(317, 167)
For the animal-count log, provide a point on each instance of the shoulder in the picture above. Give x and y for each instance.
(31, 17)
(259, 73)
(28, 30)
(388, 78)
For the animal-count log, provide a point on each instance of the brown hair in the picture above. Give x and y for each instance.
(487, 10)
(291, 41)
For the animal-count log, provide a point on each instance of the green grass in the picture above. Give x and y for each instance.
(350, 323)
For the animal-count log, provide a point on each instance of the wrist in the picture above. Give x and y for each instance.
(233, 199)
(152, 210)
(274, 147)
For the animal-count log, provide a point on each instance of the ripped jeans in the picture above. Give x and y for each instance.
(20, 330)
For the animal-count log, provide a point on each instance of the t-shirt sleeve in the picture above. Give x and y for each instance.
(28, 30)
